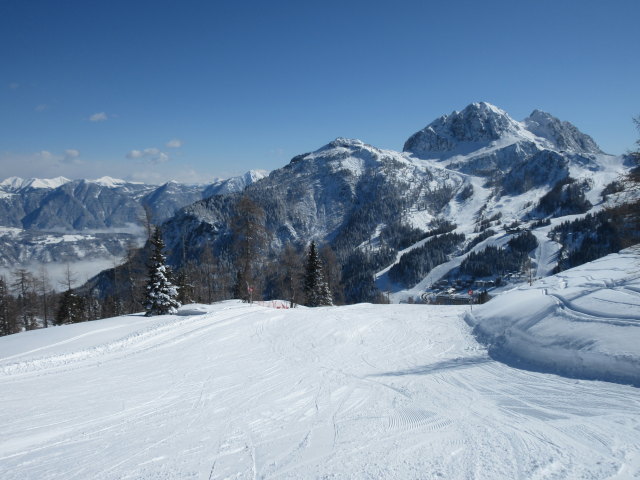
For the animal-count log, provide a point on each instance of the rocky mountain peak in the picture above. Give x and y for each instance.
(479, 122)
(563, 135)
(345, 143)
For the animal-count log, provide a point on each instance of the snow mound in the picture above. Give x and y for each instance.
(584, 322)
(193, 309)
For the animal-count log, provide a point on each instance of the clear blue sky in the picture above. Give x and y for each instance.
(153, 90)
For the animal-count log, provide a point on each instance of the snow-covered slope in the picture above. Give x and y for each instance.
(239, 391)
(584, 321)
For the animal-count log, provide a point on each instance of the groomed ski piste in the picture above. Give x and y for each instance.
(233, 390)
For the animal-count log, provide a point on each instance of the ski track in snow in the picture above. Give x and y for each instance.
(364, 391)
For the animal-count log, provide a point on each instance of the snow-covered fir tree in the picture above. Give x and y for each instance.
(161, 294)
(316, 289)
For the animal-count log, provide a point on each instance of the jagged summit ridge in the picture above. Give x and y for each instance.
(478, 122)
(484, 125)
(563, 135)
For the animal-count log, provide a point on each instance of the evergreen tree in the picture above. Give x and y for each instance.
(161, 294)
(185, 288)
(7, 316)
(333, 274)
(70, 309)
(316, 289)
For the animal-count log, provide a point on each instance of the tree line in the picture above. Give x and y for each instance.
(29, 301)
(146, 282)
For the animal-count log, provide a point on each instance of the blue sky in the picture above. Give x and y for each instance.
(191, 90)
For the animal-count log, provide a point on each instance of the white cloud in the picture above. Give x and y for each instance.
(183, 175)
(43, 164)
(14, 85)
(71, 153)
(152, 155)
(42, 107)
(162, 158)
(174, 143)
(98, 117)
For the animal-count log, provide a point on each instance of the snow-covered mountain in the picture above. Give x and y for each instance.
(342, 193)
(474, 169)
(482, 125)
(75, 205)
(463, 173)
(17, 184)
(62, 220)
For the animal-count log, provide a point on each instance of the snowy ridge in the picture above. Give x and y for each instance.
(583, 322)
(562, 135)
(16, 184)
(111, 182)
(234, 184)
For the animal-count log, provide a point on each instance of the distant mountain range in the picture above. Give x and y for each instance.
(59, 220)
(463, 173)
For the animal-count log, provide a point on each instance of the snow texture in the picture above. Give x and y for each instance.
(235, 390)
